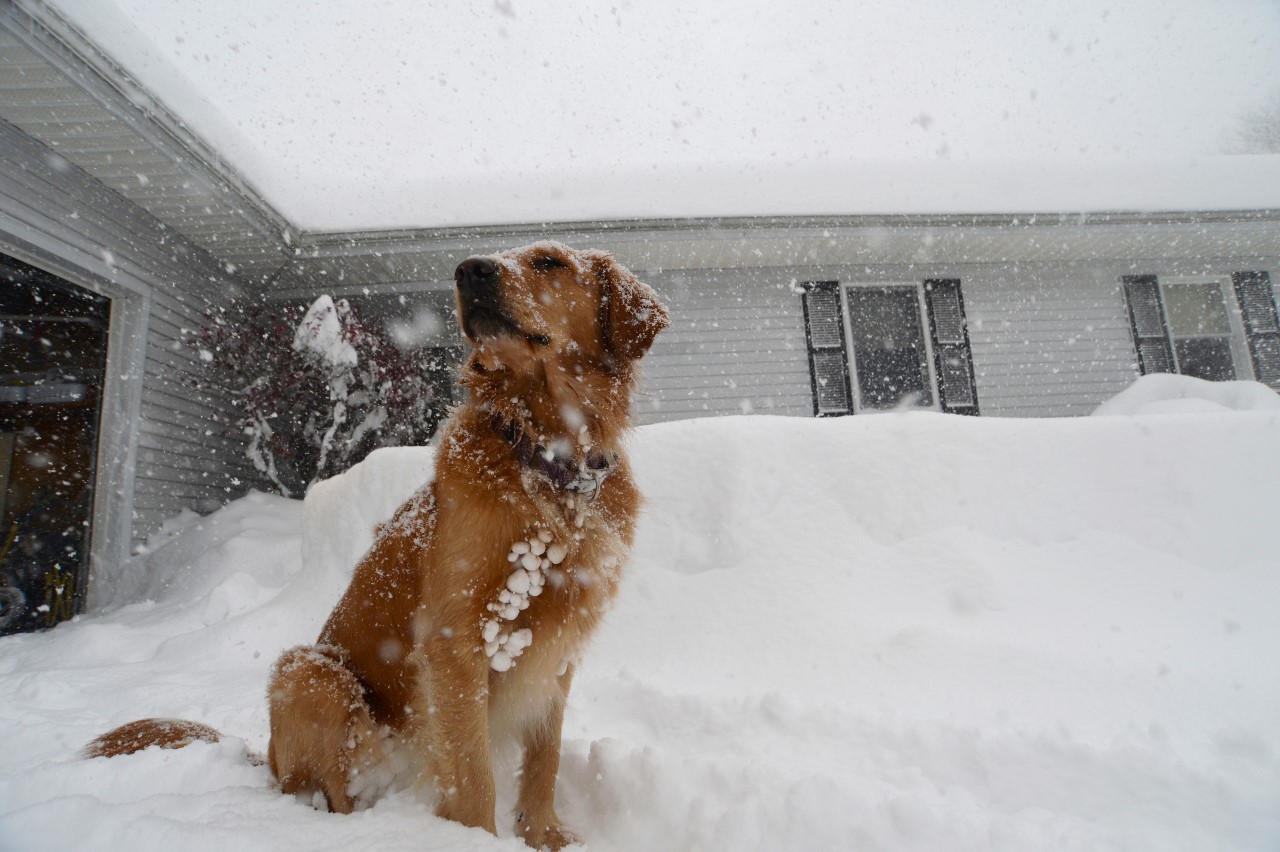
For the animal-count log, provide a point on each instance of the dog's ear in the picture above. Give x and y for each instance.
(630, 314)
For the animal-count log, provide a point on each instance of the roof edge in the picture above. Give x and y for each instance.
(361, 241)
(59, 41)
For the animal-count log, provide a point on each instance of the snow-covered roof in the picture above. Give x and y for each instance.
(403, 113)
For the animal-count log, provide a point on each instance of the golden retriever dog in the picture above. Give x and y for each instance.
(463, 622)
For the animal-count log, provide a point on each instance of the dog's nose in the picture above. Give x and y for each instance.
(475, 276)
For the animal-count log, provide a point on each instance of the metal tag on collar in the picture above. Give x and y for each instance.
(587, 483)
(589, 480)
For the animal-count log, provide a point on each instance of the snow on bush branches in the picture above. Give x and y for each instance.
(315, 392)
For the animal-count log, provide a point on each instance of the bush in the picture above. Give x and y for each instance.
(313, 392)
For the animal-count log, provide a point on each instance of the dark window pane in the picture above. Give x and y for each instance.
(888, 346)
(53, 345)
(1205, 358)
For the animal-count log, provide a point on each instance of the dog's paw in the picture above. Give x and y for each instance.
(554, 836)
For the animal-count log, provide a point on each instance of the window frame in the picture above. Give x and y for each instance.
(1241, 360)
(926, 335)
(111, 541)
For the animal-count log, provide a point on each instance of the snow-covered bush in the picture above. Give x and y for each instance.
(313, 392)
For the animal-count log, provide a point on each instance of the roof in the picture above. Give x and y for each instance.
(405, 114)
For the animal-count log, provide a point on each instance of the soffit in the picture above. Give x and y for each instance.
(57, 88)
(408, 260)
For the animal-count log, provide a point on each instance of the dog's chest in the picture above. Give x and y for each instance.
(560, 575)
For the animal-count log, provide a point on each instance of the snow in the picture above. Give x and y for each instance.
(910, 631)
(523, 584)
(412, 114)
(320, 332)
(1167, 393)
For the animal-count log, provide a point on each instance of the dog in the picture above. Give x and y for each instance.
(463, 622)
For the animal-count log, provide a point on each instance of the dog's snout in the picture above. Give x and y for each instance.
(475, 275)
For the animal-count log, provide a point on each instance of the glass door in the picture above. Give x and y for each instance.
(53, 347)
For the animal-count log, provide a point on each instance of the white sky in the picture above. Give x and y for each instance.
(404, 113)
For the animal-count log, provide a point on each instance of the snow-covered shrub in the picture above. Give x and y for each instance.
(315, 391)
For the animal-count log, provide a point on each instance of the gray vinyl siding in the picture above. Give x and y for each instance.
(1048, 341)
(70, 223)
(1055, 340)
(57, 87)
(735, 345)
(736, 341)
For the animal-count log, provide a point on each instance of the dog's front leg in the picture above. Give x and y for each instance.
(456, 681)
(536, 819)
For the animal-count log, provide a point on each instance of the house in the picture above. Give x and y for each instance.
(121, 229)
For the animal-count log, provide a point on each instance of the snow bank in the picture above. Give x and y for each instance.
(901, 632)
(1166, 393)
(189, 556)
(340, 514)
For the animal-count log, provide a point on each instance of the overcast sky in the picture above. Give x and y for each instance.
(367, 106)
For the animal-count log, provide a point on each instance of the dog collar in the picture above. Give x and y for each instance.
(584, 476)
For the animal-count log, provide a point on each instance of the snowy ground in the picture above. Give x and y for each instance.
(899, 632)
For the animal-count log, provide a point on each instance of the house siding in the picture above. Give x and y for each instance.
(62, 219)
(735, 346)
(1048, 340)
(58, 88)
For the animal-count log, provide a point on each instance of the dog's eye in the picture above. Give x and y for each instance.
(547, 262)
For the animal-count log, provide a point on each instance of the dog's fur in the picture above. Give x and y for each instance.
(402, 679)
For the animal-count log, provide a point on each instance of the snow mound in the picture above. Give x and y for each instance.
(1167, 393)
(186, 559)
(904, 632)
(321, 332)
(341, 513)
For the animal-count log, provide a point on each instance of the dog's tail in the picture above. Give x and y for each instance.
(135, 736)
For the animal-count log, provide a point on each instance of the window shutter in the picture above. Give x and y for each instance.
(1258, 306)
(828, 361)
(952, 355)
(1146, 319)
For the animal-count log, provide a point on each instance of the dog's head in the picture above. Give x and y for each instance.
(531, 307)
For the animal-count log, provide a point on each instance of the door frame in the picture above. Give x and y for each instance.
(85, 265)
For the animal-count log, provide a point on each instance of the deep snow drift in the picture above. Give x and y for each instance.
(897, 632)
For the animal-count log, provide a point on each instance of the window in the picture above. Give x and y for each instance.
(889, 354)
(1200, 330)
(878, 346)
(1214, 328)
